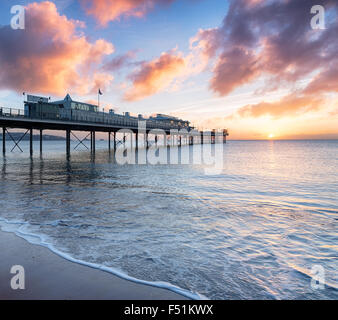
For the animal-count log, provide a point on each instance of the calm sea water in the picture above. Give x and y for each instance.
(253, 232)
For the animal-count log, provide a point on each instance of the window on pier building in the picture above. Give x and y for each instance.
(83, 107)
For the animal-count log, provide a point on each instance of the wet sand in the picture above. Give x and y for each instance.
(48, 276)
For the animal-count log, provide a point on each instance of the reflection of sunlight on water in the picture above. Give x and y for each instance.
(271, 155)
(253, 231)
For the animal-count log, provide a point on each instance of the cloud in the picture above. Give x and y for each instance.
(51, 55)
(168, 71)
(326, 81)
(119, 61)
(291, 104)
(105, 11)
(155, 75)
(271, 38)
(234, 68)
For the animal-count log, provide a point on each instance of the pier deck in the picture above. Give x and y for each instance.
(16, 118)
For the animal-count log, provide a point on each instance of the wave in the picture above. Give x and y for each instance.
(15, 226)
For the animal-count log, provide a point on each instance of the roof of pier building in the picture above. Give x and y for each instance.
(68, 102)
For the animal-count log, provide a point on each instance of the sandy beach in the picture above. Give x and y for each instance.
(48, 276)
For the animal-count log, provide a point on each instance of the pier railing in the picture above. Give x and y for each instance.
(89, 117)
(11, 112)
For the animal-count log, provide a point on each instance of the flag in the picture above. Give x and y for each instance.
(100, 93)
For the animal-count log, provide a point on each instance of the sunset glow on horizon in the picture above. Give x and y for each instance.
(257, 68)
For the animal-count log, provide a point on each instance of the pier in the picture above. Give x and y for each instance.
(71, 117)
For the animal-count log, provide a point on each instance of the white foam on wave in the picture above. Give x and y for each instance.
(16, 226)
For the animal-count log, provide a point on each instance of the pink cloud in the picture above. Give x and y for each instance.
(275, 36)
(105, 11)
(51, 56)
(326, 81)
(274, 39)
(155, 75)
(120, 61)
(234, 68)
(291, 104)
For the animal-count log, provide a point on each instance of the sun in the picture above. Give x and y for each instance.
(271, 136)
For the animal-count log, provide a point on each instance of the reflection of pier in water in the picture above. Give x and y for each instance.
(71, 116)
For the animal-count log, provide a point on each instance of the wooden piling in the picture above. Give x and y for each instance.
(4, 140)
(31, 142)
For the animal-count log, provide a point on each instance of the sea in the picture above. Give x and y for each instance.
(265, 226)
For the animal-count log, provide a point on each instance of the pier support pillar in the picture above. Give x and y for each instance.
(4, 140)
(40, 140)
(31, 142)
(94, 142)
(146, 137)
(136, 141)
(68, 142)
(114, 141)
(225, 133)
(109, 141)
(179, 141)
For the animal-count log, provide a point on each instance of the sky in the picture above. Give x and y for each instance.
(256, 67)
